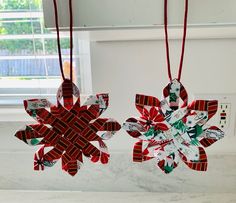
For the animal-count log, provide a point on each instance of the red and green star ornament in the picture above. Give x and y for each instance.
(68, 131)
(172, 130)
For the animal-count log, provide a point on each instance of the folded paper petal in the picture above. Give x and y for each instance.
(210, 136)
(198, 163)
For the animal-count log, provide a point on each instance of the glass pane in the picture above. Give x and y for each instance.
(27, 49)
(28, 53)
(20, 5)
(14, 27)
(14, 47)
(51, 46)
(21, 26)
(27, 67)
(37, 26)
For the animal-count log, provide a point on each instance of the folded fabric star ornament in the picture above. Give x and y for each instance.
(169, 132)
(66, 131)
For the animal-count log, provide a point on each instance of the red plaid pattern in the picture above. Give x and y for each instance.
(69, 130)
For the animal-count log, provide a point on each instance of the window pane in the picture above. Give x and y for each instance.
(28, 52)
(20, 5)
(27, 49)
(29, 65)
(13, 47)
(51, 46)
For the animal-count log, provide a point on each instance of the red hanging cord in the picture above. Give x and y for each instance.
(71, 40)
(184, 39)
(58, 39)
(167, 39)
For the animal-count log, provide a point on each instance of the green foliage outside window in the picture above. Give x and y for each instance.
(20, 27)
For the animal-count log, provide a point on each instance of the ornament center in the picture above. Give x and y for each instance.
(149, 122)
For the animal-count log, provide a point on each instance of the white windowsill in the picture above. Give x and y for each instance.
(14, 114)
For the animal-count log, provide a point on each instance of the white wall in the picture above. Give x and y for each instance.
(129, 67)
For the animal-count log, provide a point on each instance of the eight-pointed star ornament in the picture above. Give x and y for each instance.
(169, 132)
(68, 131)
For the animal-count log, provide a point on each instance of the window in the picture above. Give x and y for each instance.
(29, 66)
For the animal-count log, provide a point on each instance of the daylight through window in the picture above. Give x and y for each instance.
(29, 64)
